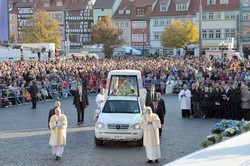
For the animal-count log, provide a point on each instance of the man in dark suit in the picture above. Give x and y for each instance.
(157, 109)
(52, 111)
(235, 98)
(161, 102)
(80, 101)
(226, 102)
(33, 94)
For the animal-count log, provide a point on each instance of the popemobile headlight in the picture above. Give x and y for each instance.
(100, 125)
(136, 126)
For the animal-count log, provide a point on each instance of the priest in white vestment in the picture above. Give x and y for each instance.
(58, 125)
(185, 98)
(99, 102)
(150, 124)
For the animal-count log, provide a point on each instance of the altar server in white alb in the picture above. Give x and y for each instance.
(185, 98)
(58, 125)
(99, 102)
(150, 124)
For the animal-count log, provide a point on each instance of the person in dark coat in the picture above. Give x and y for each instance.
(217, 100)
(226, 107)
(161, 102)
(52, 111)
(235, 99)
(80, 101)
(196, 99)
(206, 103)
(157, 109)
(33, 94)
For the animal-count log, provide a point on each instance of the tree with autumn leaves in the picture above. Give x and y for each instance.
(179, 35)
(41, 28)
(106, 33)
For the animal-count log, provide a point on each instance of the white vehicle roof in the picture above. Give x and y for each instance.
(125, 98)
(125, 72)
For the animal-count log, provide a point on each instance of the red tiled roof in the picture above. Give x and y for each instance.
(21, 4)
(124, 5)
(143, 3)
(67, 4)
(132, 5)
(53, 7)
(232, 5)
(76, 5)
(193, 7)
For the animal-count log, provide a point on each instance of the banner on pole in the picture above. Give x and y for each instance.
(4, 20)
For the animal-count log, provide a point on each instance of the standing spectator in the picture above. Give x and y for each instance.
(206, 103)
(185, 98)
(52, 111)
(226, 107)
(157, 109)
(33, 94)
(150, 124)
(235, 99)
(196, 99)
(80, 102)
(217, 100)
(100, 102)
(39, 55)
(245, 101)
(161, 102)
(58, 124)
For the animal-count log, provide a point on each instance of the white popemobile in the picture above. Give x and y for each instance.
(124, 104)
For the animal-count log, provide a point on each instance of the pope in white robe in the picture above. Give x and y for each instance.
(150, 124)
(185, 98)
(99, 102)
(58, 124)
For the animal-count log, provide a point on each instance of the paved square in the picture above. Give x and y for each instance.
(24, 137)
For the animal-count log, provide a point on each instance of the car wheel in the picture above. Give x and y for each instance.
(140, 142)
(98, 142)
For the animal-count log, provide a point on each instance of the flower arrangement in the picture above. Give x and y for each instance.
(224, 129)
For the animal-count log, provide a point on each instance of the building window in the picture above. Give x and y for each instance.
(210, 34)
(204, 34)
(246, 16)
(117, 25)
(217, 34)
(157, 36)
(126, 24)
(46, 4)
(134, 38)
(12, 27)
(224, 1)
(140, 11)
(120, 11)
(230, 15)
(181, 6)
(229, 33)
(211, 2)
(245, 3)
(156, 22)
(12, 16)
(210, 16)
(59, 3)
(163, 7)
(11, 5)
(217, 15)
(204, 16)
(127, 11)
(144, 24)
(134, 26)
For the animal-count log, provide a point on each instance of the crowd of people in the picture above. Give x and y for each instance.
(58, 79)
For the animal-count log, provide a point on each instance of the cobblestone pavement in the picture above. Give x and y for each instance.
(24, 138)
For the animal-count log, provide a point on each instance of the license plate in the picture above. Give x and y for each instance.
(118, 137)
